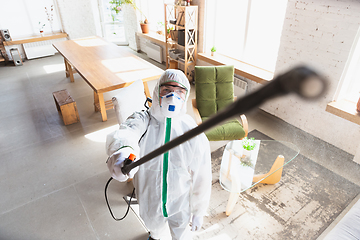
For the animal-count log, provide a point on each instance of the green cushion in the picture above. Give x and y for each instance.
(205, 90)
(231, 130)
(214, 91)
(214, 88)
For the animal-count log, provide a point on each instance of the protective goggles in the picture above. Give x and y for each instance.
(168, 88)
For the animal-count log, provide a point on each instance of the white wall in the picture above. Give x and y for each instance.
(132, 25)
(320, 34)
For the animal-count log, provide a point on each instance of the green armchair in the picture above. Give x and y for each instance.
(214, 91)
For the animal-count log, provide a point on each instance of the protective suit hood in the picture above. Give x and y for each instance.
(170, 75)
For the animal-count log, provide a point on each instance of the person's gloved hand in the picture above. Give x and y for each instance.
(197, 222)
(116, 162)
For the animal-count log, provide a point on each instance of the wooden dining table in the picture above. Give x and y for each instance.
(105, 67)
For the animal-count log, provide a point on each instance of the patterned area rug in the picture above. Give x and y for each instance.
(301, 206)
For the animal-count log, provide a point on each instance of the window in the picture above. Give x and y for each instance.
(349, 85)
(112, 24)
(154, 12)
(246, 30)
(24, 18)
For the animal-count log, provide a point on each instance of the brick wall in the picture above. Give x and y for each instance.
(319, 34)
(132, 25)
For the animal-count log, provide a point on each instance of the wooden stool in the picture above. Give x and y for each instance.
(66, 106)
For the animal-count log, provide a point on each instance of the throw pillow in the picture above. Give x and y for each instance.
(129, 100)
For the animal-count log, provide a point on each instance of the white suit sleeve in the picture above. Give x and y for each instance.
(128, 134)
(122, 142)
(201, 177)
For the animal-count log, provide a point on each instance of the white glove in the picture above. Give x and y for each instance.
(197, 222)
(116, 162)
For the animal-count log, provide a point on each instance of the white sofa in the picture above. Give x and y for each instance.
(349, 226)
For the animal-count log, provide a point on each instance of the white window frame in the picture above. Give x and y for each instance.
(104, 23)
(154, 10)
(349, 84)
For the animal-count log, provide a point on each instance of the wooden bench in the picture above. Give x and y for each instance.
(66, 107)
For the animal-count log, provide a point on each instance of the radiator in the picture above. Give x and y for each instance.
(154, 51)
(39, 49)
(240, 87)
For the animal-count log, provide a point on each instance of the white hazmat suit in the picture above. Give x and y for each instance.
(171, 187)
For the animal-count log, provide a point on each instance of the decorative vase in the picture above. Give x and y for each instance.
(52, 31)
(358, 105)
(144, 27)
(212, 54)
(42, 33)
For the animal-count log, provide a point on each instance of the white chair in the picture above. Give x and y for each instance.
(129, 100)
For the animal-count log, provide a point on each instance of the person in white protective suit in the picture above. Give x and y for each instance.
(173, 188)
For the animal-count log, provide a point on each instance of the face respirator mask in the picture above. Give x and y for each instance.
(171, 104)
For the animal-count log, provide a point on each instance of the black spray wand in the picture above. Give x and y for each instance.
(301, 80)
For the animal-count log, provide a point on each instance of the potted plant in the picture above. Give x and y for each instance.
(248, 145)
(41, 28)
(144, 26)
(116, 5)
(213, 50)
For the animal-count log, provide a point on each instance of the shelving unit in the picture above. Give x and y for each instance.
(3, 55)
(2, 49)
(184, 21)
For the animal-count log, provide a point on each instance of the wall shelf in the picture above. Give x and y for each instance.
(6, 45)
(241, 68)
(153, 37)
(36, 38)
(344, 109)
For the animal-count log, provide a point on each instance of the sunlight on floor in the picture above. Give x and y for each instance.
(210, 230)
(54, 68)
(100, 135)
(223, 236)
